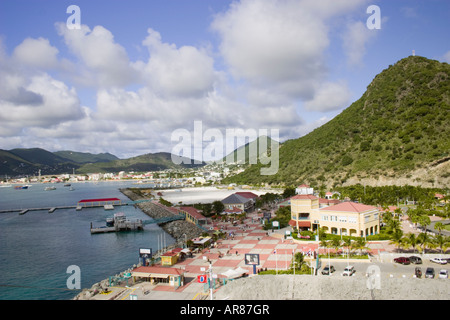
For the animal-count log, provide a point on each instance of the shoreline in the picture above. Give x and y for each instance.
(176, 229)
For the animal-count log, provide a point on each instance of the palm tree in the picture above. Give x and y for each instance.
(412, 240)
(425, 240)
(424, 221)
(439, 226)
(360, 244)
(347, 243)
(441, 242)
(397, 239)
(336, 244)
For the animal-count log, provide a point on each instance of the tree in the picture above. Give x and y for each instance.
(424, 221)
(441, 242)
(360, 244)
(218, 206)
(397, 240)
(336, 244)
(439, 226)
(412, 240)
(298, 261)
(425, 240)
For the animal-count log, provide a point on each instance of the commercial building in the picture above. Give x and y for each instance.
(346, 218)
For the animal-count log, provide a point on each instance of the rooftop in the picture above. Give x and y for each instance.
(349, 207)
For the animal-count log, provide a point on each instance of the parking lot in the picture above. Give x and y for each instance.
(387, 268)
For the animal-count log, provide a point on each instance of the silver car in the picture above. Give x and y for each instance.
(443, 274)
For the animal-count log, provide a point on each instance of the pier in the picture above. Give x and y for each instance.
(119, 223)
(107, 204)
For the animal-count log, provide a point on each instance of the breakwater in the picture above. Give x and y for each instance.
(180, 230)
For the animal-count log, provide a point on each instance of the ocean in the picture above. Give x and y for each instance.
(37, 248)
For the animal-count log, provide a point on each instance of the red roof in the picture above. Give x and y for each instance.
(304, 197)
(349, 207)
(328, 201)
(193, 212)
(303, 186)
(300, 223)
(100, 200)
(160, 270)
(249, 195)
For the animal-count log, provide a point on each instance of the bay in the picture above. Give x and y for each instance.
(37, 248)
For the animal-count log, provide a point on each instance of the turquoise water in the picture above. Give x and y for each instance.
(37, 248)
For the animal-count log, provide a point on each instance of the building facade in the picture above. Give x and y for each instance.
(346, 218)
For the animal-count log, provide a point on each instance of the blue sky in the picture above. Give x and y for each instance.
(137, 71)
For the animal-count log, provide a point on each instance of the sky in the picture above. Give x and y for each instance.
(126, 77)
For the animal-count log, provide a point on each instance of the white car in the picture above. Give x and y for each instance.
(443, 274)
(439, 260)
(349, 271)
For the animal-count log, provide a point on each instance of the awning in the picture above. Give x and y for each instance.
(300, 224)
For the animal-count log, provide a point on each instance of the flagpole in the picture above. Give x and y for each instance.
(210, 281)
(276, 262)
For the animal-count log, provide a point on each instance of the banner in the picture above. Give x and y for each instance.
(202, 278)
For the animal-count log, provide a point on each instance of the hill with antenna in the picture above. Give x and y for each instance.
(397, 133)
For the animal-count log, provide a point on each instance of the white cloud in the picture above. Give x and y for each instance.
(329, 96)
(176, 72)
(32, 98)
(102, 61)
(37, 53)
(355, 40)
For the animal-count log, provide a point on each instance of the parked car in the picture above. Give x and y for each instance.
(349, 271)
(439, 260)
(443, 274)
(415, 260)
(402, 260)
(429, 273)
(328, 269)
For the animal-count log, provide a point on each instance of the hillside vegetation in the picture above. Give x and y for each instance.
(398, 132)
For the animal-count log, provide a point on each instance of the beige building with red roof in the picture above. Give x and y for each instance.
(346, 218)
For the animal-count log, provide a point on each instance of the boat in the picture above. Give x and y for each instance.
(49, 188)
(67, 185)
(20, 187)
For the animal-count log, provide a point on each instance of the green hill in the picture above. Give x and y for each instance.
(242, 154)
(85, 157)
(146, 162)
(398, 132)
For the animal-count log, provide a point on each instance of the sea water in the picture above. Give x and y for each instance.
(37, 248)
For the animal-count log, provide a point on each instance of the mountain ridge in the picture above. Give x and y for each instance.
(398, 128)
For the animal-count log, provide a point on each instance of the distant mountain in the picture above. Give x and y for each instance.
(17, 162)
(147, 162)
(20, 162)
(398, 132)
(85, 157)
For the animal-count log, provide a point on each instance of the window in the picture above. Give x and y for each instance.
(333, 218)
(342, 218)
(324, 217)
(352, 219)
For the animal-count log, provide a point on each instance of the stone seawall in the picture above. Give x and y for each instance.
(177, 229)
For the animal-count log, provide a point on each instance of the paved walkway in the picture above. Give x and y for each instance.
(274, 251)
